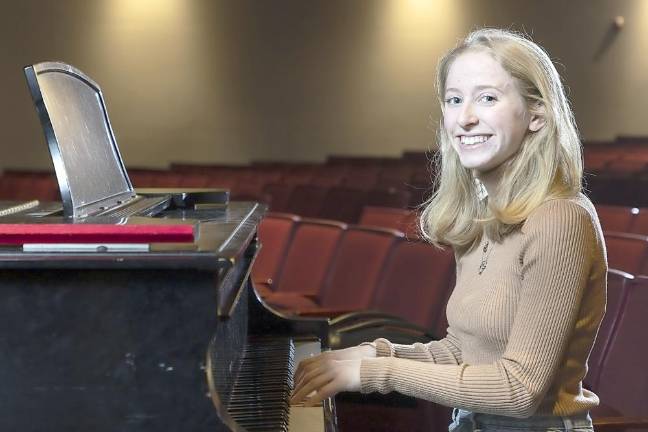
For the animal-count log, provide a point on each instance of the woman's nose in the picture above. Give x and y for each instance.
(467, 117)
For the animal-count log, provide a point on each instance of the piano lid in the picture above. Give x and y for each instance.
(72, 112)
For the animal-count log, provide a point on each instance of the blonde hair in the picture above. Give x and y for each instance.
(548, 164)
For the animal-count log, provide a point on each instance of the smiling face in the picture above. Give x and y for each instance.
(484, 113)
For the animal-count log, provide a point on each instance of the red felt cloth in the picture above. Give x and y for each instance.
(94, 233)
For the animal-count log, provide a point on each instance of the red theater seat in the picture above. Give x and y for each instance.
(616, 291)
(277, 196)
(640, 223)
(307, 200)
(622, 385)
(627, 252)
(343, 204)
(353, 274)
(397, 198)
(275, 233)
(616, 218)
(386, 217)
(307, 263)
(416, 282)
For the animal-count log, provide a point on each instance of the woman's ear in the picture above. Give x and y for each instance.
(537, 118)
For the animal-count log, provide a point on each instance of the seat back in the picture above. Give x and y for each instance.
(616, 291)
(277, 196)
(415, 282)
(623, 382)
(616, 218)
(356, 267)
(386, 217)
(307, 200)
(309, 256)
(640, 222)
(392, 197)
(627, 252)
(275, 233)
(343, 204)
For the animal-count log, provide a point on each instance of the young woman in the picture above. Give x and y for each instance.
(531, 267)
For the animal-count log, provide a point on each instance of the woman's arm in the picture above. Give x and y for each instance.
(558, 251)
(444, 351)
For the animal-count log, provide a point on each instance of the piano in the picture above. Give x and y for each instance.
(132, 310)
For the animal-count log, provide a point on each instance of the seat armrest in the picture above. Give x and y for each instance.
(603, 424)
(364, 315)
(385, 323)
(321, 312)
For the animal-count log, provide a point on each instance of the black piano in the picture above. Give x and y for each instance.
(109, 323)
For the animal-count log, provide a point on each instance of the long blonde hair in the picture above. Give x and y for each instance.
(548, 164)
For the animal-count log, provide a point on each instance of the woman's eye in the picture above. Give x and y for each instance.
(453, 100)
(488, 98)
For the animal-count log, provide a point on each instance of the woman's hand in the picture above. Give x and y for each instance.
(329, 373)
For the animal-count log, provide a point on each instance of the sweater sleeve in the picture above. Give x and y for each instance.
(556, 260)
(444, 351)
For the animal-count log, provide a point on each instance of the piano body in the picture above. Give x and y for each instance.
(143, 333)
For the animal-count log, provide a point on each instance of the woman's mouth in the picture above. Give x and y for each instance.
(473, 140)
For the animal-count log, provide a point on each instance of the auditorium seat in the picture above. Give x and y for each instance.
(415, 282)
(343, 204)
(386, 217)
(45, 188)
(617, 282)
(623, 382)
(307, 200)
(392, 197)
(298, 173)
(640, 222)
(329, 175)
(616, 218)
(363, 178)
(626, 166)
(306, 263)
(395, 176)
(627, 252)
(413, 289)
(194, 180)
(275, 234)
(277, 195)
(356, 267)
(353, 273)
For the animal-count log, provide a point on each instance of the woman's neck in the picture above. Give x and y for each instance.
(491, 179)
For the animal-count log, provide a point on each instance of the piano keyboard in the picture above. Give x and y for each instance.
(260, 398)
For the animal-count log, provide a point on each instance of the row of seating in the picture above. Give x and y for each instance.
(322, 267)
(337, 203)
(325, 267)
(623, 219)
(625, 156)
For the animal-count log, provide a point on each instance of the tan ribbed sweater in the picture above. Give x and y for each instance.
(520, 333)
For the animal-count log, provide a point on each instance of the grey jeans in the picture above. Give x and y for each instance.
(466, 421)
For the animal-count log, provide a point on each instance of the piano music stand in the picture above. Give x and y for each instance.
(89, 168)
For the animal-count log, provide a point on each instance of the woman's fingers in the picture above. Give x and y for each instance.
(313, 383)
(307, 364)
(303, 372)
(327, 378)
(328, 390)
